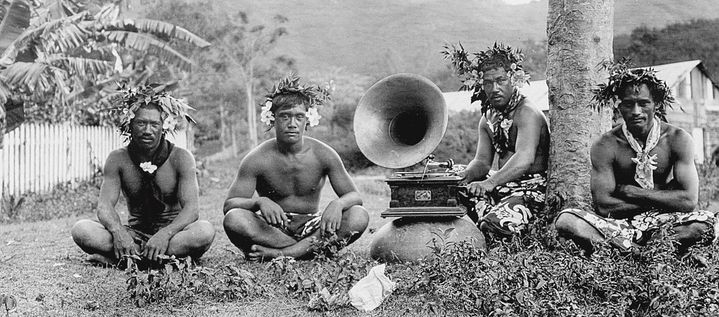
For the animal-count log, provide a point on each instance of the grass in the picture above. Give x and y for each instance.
(41, 266)
(532, 276)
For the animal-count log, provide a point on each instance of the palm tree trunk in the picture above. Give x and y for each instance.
(580, 35)
(251, 117)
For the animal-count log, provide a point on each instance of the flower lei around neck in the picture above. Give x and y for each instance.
(470, 72)
(291, 84)
(173, 111)
(621, 76)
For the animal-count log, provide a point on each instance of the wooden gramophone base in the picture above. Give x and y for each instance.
(407, 239)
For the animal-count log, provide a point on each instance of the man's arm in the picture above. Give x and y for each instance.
(478, 168)
(187, 195)
(343, 186)
(684, 197)
(529, 129)
(603, 182)
(242, 188)
(106, 214)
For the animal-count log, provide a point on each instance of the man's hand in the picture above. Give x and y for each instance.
(272, 212)
(331, 218)
(157, 245)
(626, 191)
(123, 244)
(481, 188)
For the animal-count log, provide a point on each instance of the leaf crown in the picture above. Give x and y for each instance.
(173, 111)
(469, 68)
(622, 76)
(290, 84)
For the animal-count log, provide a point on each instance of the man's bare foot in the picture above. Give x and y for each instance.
(260, 253)
(97, 259)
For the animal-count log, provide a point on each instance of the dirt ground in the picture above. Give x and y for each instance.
(49, 275)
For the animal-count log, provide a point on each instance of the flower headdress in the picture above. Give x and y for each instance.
(470, 72)
(173, 110)
(621, 76)
(291, 84)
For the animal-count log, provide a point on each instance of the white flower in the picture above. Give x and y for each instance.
(506, 123)
(513, 66)
(313, 116)
(170, 123)
(266, 116)
(148, 167)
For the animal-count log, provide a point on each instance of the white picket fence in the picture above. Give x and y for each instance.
(36, 157)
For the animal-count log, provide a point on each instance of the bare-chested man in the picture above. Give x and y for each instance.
(643, 173)
(288, 173)
(513, 132)
(159, 184)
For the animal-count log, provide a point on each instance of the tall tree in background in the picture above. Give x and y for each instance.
(579, 36)
(246, 46)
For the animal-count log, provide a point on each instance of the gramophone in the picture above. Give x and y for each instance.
(398, 123)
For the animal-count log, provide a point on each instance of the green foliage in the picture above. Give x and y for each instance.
(708, 183)
(460, 139)
(529, 277)
(697, 39)
(63, 200)
(181, 279)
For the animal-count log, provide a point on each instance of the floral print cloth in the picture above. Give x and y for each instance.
(627, 233)
(509, 208)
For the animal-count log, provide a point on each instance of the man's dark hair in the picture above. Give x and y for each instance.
(289, 99)
(496, 61)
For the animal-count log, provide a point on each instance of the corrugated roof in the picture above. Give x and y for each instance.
(537, 91)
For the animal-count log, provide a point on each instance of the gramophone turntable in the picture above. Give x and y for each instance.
(398, 123)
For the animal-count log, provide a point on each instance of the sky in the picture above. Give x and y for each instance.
(516, 2)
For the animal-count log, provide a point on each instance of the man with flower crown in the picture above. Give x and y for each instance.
(287, 174)
(158, 181)
(643, 174)
(512, 132)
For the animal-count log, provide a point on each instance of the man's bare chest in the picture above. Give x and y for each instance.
(291, 179)
(165, 177)
(660, 157)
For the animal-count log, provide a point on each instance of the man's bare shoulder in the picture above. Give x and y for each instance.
(608, 140)
(323, 151)
(118, 156)
(181, 158)
(678, 138)
(528, 111)
(258, 156)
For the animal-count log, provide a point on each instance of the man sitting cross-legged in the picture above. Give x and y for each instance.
(643, 173)
(510, 130)
(159, 184)
(288, 173)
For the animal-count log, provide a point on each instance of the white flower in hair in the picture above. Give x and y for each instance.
(148, 167)
(266, 115)
(170, 123)
(313, 116)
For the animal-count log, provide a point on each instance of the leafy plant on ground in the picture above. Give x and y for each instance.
(518, 278)
(183, 280)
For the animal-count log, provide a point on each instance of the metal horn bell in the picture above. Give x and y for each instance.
(400, 120)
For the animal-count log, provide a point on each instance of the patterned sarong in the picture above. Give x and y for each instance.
(627, 233)
(509, 208)
(301, 225)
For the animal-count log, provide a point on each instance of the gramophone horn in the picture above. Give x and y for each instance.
(400, 120)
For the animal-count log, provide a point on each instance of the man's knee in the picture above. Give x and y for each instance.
(357, 219)
(84, 231)
(239, 222)
(203, 233)
(694, 231)
(568, 224)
